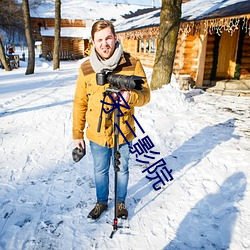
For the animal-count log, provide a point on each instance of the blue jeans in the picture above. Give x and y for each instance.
(102, 158)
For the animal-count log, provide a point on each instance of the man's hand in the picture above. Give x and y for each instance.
(79, 143)
(126, 95)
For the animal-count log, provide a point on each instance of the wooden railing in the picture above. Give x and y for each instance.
(64, 55)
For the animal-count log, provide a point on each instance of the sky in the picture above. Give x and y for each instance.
(45, 197)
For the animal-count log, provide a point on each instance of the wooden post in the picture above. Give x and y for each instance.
(144, 45)
(201, 60)
(140, 42)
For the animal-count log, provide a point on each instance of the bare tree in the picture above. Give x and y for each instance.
(28, 33)
(168, 34)
(3, 57)
(11, 24)
(11, 17)
(56, 59)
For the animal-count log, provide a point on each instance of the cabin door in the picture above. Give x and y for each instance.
(227, 55)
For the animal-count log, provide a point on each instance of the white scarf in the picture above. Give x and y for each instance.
(98, 64)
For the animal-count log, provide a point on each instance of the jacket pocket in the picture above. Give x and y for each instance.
(127, 121)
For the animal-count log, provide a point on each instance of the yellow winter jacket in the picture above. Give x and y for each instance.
(87, 103)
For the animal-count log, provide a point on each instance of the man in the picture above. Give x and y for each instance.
(107, 54)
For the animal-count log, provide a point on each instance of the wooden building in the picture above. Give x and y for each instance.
(212, 45)
(75, 36)
(77, 19)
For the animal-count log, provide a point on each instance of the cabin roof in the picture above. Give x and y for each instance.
(193, 10)
(77, 32)
(208, 9)
(140, 21)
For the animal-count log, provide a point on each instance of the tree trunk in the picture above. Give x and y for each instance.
(168, 34)
(3, 57)
(56, 59)
(28, 33)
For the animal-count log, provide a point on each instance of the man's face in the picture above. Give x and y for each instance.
(104, 42)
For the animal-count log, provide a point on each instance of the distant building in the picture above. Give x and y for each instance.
(75, 36)
(77, 19)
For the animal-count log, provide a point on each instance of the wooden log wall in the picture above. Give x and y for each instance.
(50, 22)
(210, 72)
(209, 57)
(190, 56)
(73, 45)
(47, 45)
(178, 61)
(131, 46)
(245, 60)
(185, 59)
(66, 44)
(79, 46)
(146, 59)
(186, 55)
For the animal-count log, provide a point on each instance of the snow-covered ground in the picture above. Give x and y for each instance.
(45, 197)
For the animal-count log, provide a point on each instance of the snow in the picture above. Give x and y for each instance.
(86, 10)
(192, 10)
(155, 3)
(145, 20)
(197, 9)
(45, 196)
(84, 33)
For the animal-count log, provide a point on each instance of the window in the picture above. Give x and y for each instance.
(146, 45)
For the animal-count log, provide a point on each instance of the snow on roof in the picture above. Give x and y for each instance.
(145, 20)
(79, 32)
(192, 10)
(85, 10)
(198, 9)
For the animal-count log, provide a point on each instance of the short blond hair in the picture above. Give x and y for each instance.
(100, 25)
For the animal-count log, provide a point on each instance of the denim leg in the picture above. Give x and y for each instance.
(101, 157)
(123, 174)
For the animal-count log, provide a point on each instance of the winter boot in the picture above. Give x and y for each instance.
(122, 211)
(97, 210)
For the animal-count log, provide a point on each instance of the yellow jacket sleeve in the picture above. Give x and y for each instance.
(141, 97)
(80, 105)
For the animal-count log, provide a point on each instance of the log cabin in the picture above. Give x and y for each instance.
(74, 37)
(213, 41)
(77, 19)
